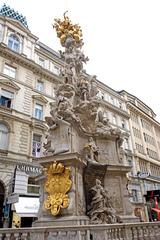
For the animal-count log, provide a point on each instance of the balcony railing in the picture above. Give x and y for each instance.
(127, 231)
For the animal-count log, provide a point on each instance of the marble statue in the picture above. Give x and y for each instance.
(91, 150)
(101, 208)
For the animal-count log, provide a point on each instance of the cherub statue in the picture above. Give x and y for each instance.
(91, 150)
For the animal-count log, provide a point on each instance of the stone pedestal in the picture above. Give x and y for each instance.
(75, 213)
(113, 179)
(116, 182)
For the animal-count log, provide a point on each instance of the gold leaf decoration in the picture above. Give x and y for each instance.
(65, 29)
(58, 183)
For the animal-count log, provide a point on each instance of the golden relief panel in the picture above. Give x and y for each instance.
(57, 185)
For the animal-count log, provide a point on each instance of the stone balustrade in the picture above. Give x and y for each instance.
(127, 231)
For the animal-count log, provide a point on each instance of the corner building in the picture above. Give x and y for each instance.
(145, 175)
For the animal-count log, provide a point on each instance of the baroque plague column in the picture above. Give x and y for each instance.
(84, 178)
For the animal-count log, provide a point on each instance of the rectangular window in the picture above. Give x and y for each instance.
(38, 111)
(41, 62)
(36, 145)
(149, 139)
(9, 70)
(32, 186)
(136, 132)
(134, 117)
(40, 86)
(6, 98)
(151, 153)
(14, 45)
(139, 148)
(146, 125)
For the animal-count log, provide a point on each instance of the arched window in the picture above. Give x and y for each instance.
(14, 43)
(3, 136)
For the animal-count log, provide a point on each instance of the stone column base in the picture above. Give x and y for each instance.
(61, 221)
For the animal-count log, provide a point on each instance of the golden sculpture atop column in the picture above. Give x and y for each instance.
(65, 28)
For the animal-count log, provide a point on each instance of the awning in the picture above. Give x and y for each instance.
(27, 206)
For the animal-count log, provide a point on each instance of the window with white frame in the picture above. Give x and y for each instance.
(14, 43)
(36, 145)
(41, 62)
(32, 186)
(6, 98)
(38, 111)
(3, 136)
(140, 148)
(40, 86)
(9, 70)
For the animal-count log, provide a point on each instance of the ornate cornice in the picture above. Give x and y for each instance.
(9, 83)
(143, 114)
(114, 108)
(146, 158)
(40, 98)
(21, 59)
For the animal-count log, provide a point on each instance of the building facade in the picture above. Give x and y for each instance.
(29, 74)
(145, 137)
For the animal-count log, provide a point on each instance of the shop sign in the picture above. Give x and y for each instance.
(29, 169)
(143, 174)
(13, 198)
(27, 205)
